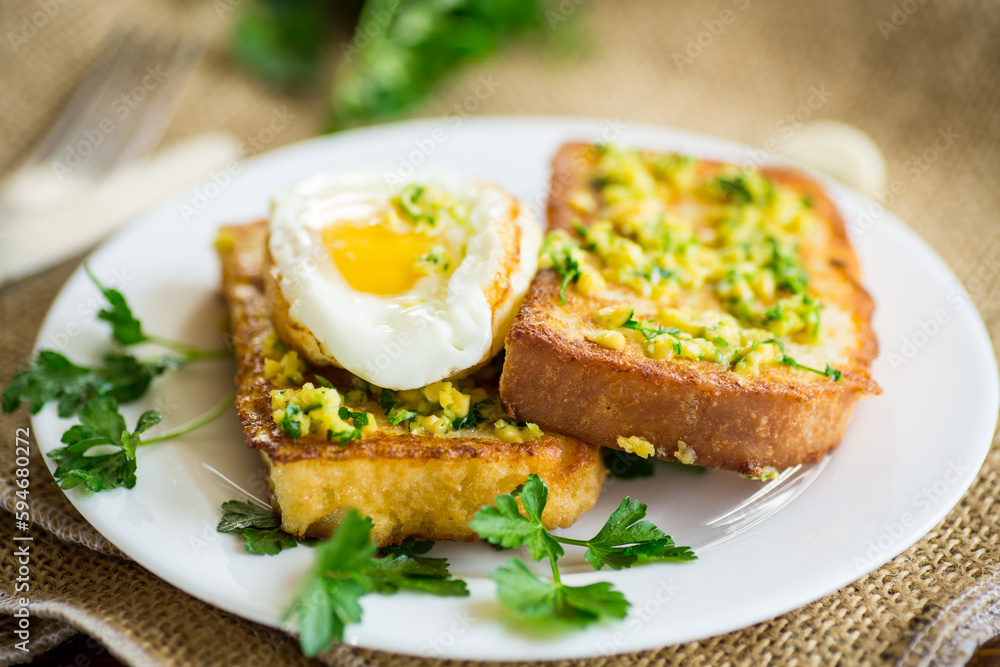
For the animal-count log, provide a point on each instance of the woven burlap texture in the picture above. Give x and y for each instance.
(902, 71)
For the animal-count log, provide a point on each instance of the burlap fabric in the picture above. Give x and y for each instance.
(903, 71)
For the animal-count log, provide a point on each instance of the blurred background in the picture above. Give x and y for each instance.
(271, 72)
(920, 78)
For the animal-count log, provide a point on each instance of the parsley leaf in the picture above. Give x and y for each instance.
(100, 424)
(650, 332)
(239, 515)
(291, 426)
(268, 542)
(125, 328)
(346, 568)
(259, 526)
(408, 203)
(417, 573)
(569, 269)
(408, 547)
(789, 272)
(626, 539)
(646, 331)
(52, 377)
(506, 526)
(519, 589)
(328, 597)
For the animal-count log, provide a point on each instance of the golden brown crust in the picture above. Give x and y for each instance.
(776, 418)
(409, 485)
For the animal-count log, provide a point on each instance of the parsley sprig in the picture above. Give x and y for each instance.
(347, 567)
(477, 413)
(260, 527)
(100, 451)
(102, 425)
(127, 330)
(830, 372)
(52, 377)
(625, 540)
(734, 189)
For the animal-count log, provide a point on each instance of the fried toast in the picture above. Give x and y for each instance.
(692, 311)
(409, 483)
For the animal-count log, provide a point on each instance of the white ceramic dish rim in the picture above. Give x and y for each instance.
(699, 606)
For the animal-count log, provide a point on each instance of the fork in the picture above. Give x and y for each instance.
(118, 113)
(762, 505)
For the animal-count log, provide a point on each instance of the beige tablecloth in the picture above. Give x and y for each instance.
(903, 71)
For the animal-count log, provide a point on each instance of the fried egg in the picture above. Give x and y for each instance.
(401, 284)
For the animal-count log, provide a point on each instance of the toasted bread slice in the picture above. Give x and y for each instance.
(747, 411)
(410, 485)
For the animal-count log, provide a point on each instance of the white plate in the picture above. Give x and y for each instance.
(908, 456)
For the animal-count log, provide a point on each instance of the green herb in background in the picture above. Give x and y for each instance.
(282, 41)
(398, 51)
(422, 42)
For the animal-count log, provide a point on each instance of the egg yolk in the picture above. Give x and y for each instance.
(374, 259)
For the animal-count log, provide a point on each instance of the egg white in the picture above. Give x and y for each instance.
(442, 325)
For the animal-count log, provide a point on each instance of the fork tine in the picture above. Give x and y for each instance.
(117, 70)
(100, 108)
(138, 133)
(768, 489)
(85, 100)
(145, 53)
(764, 504)
(181, 56)
(93, 120)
